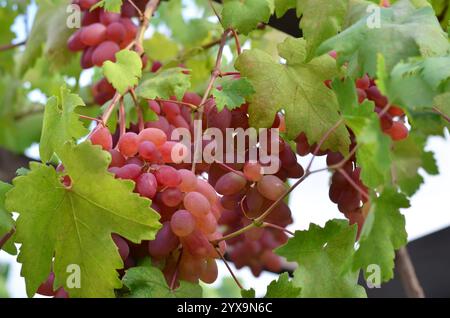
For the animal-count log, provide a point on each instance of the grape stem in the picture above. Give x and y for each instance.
(229, 74)
(353, 183)
(141, 14)
(150, 8)
(175, 273)
(438, 111)
(122, 119)
(138, 110)
(11, 46)
(161, 100)
(407, 273)
(90, 118)
(6, 237)
(277, 227)
(236, 39)
(228, 266)
(214, 75)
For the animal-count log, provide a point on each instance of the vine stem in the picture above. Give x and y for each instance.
(277, 227)
(141, 14)
(407, 274)
(150, 8)
(90, 118)
(214, 75)
(11, 46)
(228, 267)
(161, 100)
(122, 119)
(437, 110)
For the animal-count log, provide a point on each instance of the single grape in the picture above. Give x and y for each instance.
(253, 171)
(46, 288)
(230, 183)
(129, 172)
(115, 32)
(117, 160)
(170, 109)
(147, 185)
(172, 197)
(188, 180)
(93, 34)
(74, 43)
(149, 152)
(209, 275)
(86, 58)
(197, 244)
(157, 136)
(102, 137)
(207, 190)
(124, 249)
(398, 131)
(109, 17)
(182, 223)
(168, 176)
(271, 187)
(363, 82)
(207, 223)
(128, 144)
(106, 51)
(165, 242)
(197, 204)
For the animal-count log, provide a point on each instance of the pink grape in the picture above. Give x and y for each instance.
(117, 160)
(124, 249)
(115, 32)
(149, 152)
(211, 272)
(230, 183)
(86, 58)
(46, 288)
(207, 190)
(207, 224)
(165, 242)
(147, 185)
(106, 51)
(188, 180)
(156, 136)
(128, 144)
(197, 244)
(182, 223)
(197, 204)
(102, 137)
(129, 171)
(109, 17)
(172, 197)
(168, 176)
(93, 34)
(74, 43)
(87, 4)
(252, 171)
(271, 187)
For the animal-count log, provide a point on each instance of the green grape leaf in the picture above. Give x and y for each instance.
(160, 48)
(7, 16)
(324, 257)
(149, 282)
(109, 5)
(125, 72)
(408, 156)
(373, 153)
(244, 15)
(319, 27)
(298, 88)
(6, 221)
(48, 36)
(164, 84)
(383, 233)
(282, 288)
(73, 224)
(248, 293)
(282, 6)
(61, 123)
(420, 84)
(233, 93)
(416, 31)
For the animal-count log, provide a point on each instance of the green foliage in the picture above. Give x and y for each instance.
(75, 223)
(149, 282)
(416, 32)
(6, 221)
(324, 256)
(282, 288)
(382, 234)
(297, 87)
(164, 84)
(244, 15)
(125, 72)
(109, 5)
(61, 123)
(233, 93)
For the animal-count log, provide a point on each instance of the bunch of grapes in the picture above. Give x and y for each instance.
(101, 36)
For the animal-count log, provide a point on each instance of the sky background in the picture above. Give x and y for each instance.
(309, 203)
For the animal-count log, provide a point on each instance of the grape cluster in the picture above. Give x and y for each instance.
(101, 36)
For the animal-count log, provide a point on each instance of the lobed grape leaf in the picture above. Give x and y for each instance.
(160, 48)
(403, 31)
(164, 84)
(48, 36)
(408, 156)
(109, 5)
(373, 153)
(420, 84)
(233, 93)
(324, 256)
(125, 72)
(298, 88)
(282, 288)
(61, 123)
(149, 282)
(73, 224)
(244, 15)
(248, 293)
(383, 233)
(6, 221)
